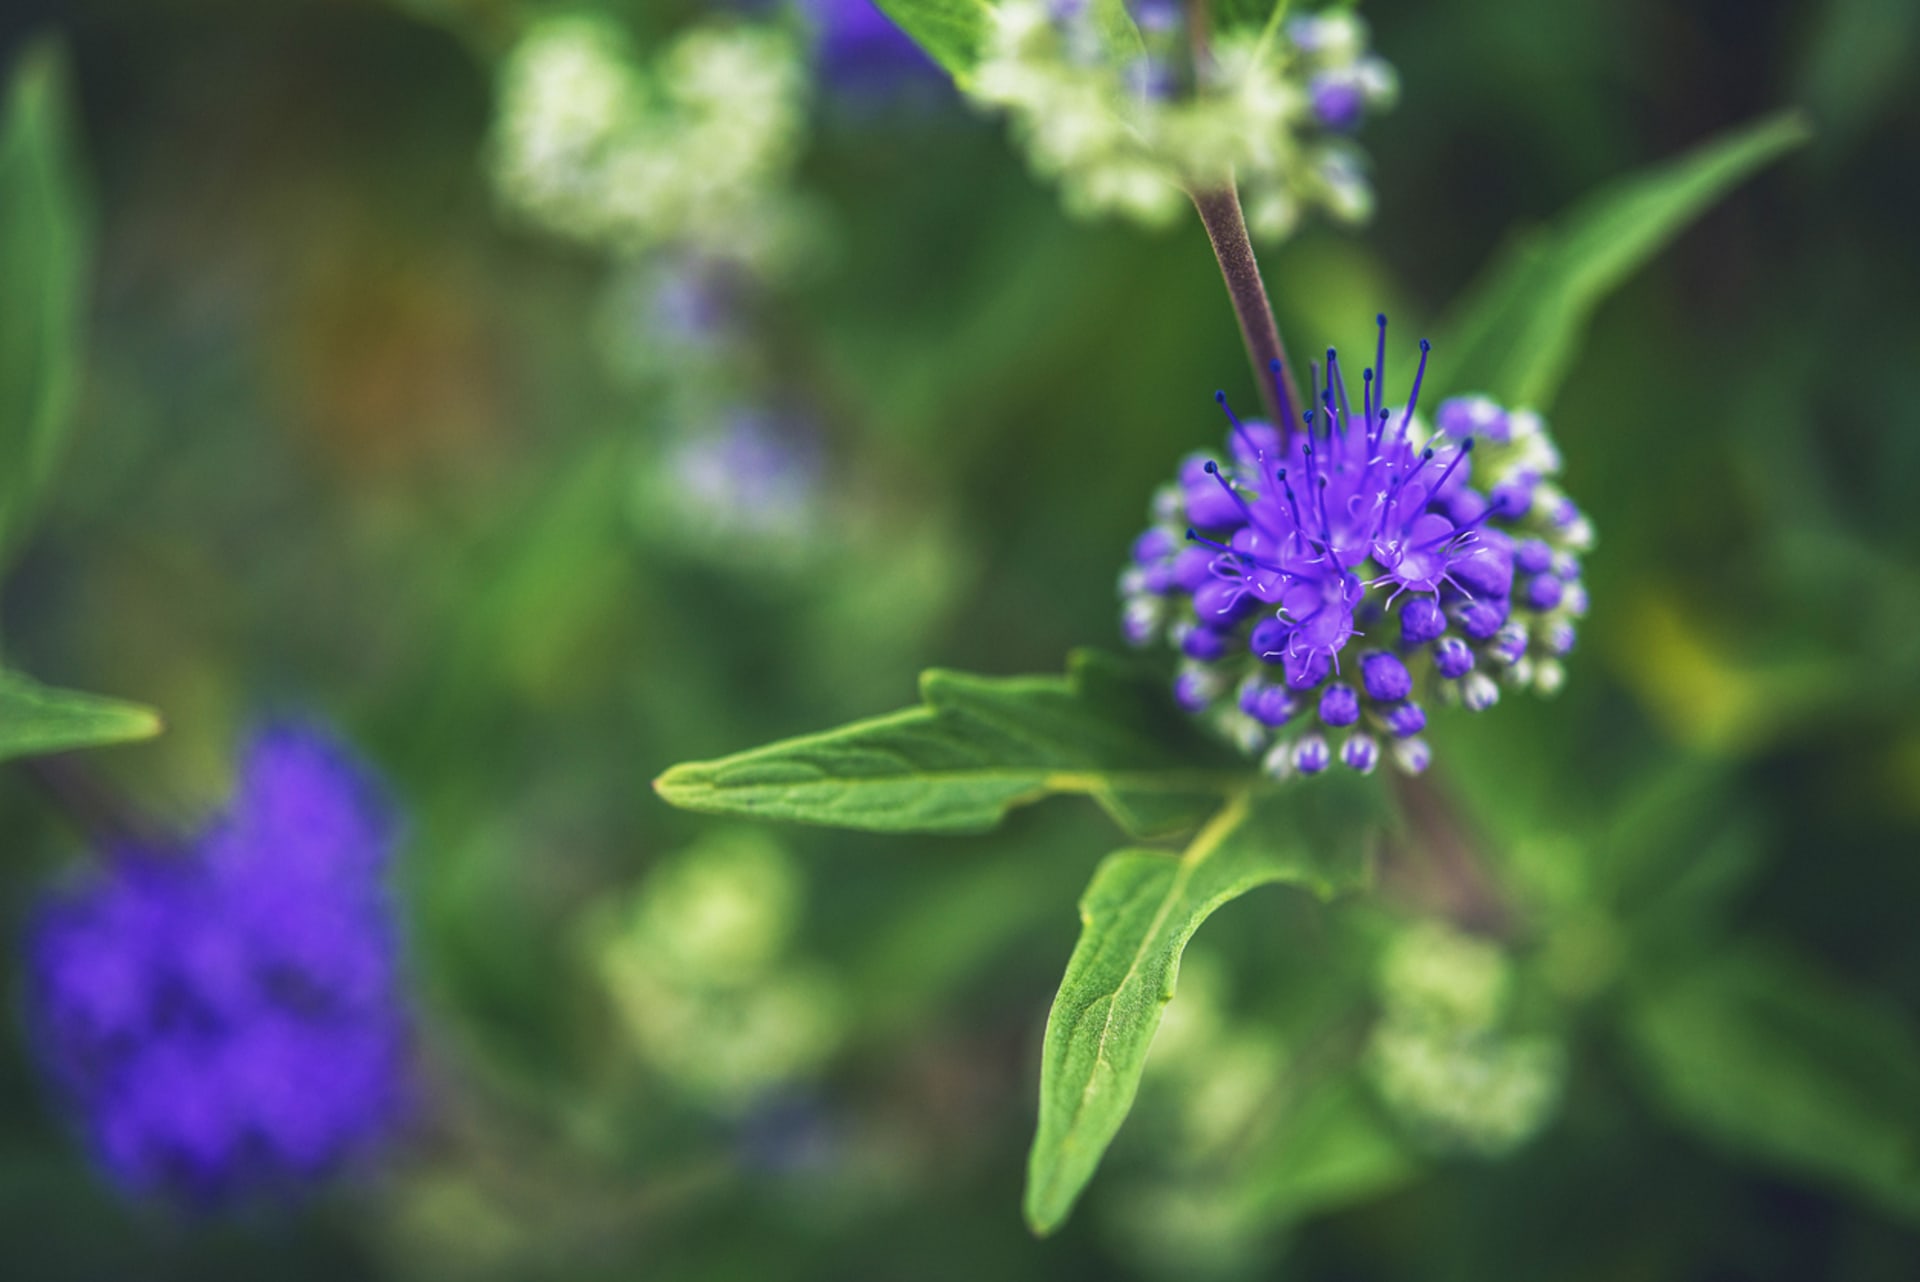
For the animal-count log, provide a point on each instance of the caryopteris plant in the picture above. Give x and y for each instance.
(1344, 563)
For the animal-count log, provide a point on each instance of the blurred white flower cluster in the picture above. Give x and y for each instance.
(691, 148)
(1442, 1056)
(704, 975)
(1120, 110)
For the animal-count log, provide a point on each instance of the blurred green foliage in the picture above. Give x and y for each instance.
(348, 442)
(43, 234)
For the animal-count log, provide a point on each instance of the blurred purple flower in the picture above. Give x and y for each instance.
(696, 300)
(1339, 100)
(227, 1016)
(862, 52)
(755, 476)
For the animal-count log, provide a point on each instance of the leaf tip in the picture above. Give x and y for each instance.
(676, 784)
(145, 723)
(1042, 1214)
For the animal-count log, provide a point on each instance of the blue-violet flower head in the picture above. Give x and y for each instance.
(1277, 566)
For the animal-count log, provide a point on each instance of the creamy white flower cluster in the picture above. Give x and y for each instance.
(1121, 113)
(1445, 1056)
(691, 148)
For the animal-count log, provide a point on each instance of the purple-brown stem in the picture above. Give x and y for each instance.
(1227, 228)
(1440, 869)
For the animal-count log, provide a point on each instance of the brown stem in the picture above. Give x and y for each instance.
(1226, 227)
(1199, 29)
(1440, 867)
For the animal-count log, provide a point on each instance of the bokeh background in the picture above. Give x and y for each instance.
(356, 443)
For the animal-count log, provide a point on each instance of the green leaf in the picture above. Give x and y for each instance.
(1136, 918)
(1518, 328)
(1764, 1054)
(951, 31)
(978, 747)
(42, 244)
(36, 719)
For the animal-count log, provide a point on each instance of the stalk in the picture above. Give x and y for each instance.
(1227, 229)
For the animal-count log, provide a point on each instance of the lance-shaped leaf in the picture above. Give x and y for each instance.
(42, 246)
(976, 748)
(1520, 324)
(36, 719)
(949, 30)
(1136, 918)
(1764, 1054)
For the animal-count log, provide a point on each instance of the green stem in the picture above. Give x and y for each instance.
(1227, 229)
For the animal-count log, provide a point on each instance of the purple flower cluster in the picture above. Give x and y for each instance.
(226, 1016)
(1321, 584)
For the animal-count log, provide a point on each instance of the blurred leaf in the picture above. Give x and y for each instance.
(1333, 1149)
(957, 922)
(1761, 1052)
(949, 30)
(36, 719)
(979, 747)
(42, 238)
(1136, 918)
(1517, 329)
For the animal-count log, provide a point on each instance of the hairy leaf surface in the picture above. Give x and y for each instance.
(1136, 918)
(1520, 325)
(976, 748)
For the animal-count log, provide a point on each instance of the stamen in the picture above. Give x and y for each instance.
(1414, 400)
(1213, 469)
(1194, 536)
(1240, 429)
(1278, 375)
(1466, 448)
(1339, 383)
(1403, 480)
(1493, 509)
(1326, 530)
(1380, 365)
(1293, 507)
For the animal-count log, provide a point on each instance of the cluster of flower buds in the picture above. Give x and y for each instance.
(693, 148)
(1128, 111)
(1325, 583)
(227, 1016)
